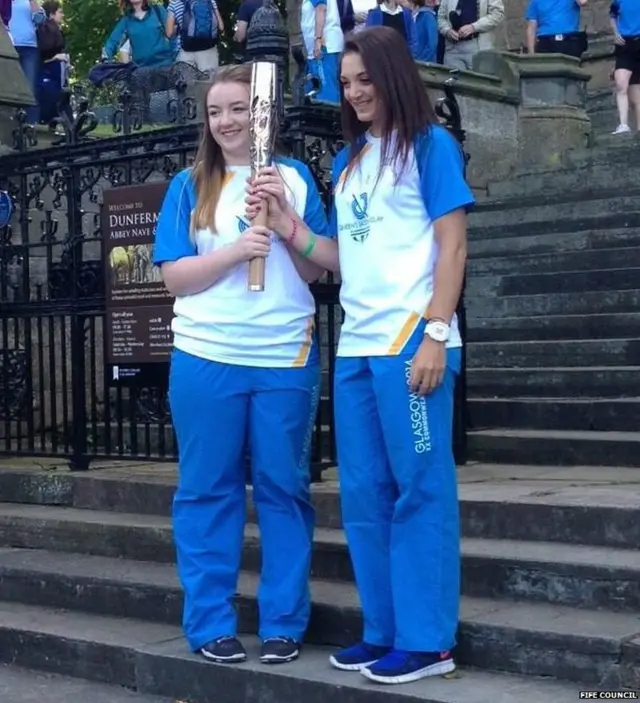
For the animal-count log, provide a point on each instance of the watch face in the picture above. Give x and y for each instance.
(438, 331)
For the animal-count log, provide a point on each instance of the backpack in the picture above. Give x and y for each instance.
(199, 30)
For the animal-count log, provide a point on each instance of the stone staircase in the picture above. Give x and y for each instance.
(551, 576)
(90, 604)
(553, 304)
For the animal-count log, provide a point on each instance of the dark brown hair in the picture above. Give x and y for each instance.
(403, 97)
(50, 7)
(125, 6)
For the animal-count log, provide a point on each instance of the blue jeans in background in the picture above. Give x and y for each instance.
(29, 58)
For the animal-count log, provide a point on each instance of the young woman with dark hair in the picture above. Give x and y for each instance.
(244, 368)
(399, 215)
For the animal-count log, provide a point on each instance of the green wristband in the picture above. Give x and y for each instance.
(309, 248)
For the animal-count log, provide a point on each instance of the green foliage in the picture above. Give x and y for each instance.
(87, 26)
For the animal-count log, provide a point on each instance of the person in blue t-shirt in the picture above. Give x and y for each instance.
(625, 23)
(553, 27)
(244, 369)
(400, 218)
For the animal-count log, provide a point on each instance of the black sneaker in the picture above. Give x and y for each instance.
(224, 650)
(278, 650)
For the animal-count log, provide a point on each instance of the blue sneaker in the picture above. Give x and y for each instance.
(402, 667)
(357, 657)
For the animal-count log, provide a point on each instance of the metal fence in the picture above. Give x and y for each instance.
(54, 397)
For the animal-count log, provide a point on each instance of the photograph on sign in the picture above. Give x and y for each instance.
(139, 309)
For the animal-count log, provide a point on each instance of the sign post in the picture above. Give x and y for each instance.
(139, 309)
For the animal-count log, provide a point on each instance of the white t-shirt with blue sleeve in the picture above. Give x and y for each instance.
(386, 240)
(227, 323)
(332, 39)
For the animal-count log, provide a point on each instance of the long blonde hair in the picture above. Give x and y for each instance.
(209, 170)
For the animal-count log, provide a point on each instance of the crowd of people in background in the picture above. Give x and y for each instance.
(450, 32)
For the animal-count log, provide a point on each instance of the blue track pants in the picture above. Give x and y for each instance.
(216, 408)
(399, 500)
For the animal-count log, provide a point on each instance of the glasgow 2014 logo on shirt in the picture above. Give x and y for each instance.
(243, 225)
(359, 206)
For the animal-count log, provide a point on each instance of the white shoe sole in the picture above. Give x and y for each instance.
(234, 659)
(274, 659)
(349, 667)
(439, 669)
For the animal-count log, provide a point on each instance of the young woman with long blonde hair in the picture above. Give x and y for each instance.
(244, 367)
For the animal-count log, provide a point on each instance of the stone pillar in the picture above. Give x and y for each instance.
(268, 40)
(552, 110)
(15, 91)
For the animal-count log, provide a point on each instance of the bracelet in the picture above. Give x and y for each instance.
(295, 230)
(309, 248)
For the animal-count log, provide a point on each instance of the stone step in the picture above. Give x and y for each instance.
(542, 211)
(603, 122)
(553, 327)
(533, 242)
(553, 354)
(588, 414)
(545, 283)
(561, 224)
(580, 645)
(490, 568)
(600, 99)
(153, 658)
(576, 303)
(580, 505)
(567, 382)
(562, 447)
(18, 685)
(566, 184)
(617, 143)
(555, 262)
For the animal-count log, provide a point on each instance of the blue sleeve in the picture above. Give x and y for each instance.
(172, 240)
(410, 27)
(339, 164)
(432, 38)
(532, 11)
(314, 216)
(115, 38)
(614, 10)
(316, 3)
(371, 18)
(442, 181)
